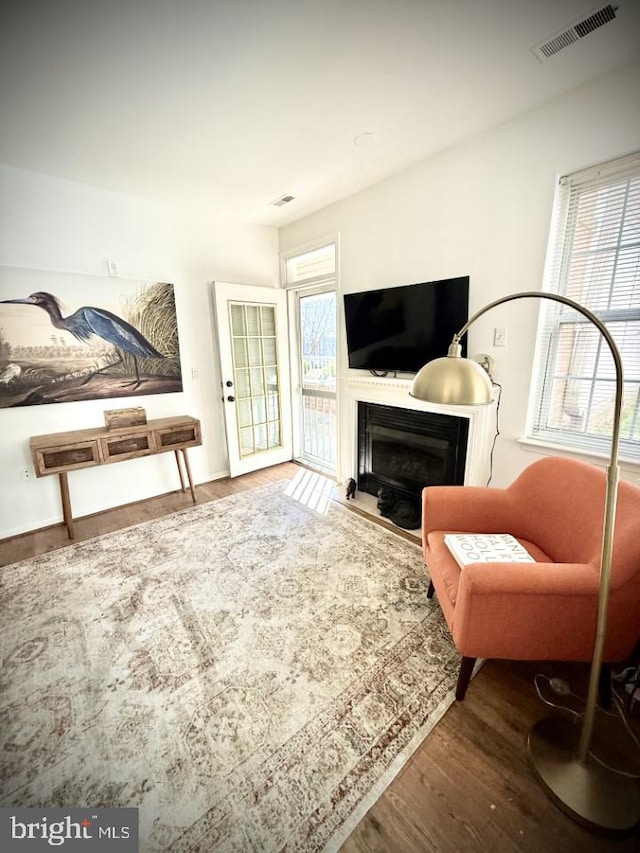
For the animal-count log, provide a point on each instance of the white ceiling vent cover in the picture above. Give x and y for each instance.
(598, 18)
(284, 199)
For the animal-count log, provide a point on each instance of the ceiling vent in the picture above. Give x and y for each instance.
(284, 199)
(596, 19)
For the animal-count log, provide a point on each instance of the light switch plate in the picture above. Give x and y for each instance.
(500, 337)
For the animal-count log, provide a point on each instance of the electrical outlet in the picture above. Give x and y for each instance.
(27, 473)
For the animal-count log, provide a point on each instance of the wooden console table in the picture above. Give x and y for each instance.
(61, 452)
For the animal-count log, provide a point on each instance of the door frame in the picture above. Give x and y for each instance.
(309, 285)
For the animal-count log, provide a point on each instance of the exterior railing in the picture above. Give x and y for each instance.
(320, 428)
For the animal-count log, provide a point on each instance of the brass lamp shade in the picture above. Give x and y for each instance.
(454, 380)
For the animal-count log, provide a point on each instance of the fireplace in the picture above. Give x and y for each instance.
(456, 440)
(404, 450)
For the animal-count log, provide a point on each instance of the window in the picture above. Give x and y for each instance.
(594, 259)
(314, 266)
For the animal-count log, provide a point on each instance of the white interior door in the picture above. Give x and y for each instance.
(253, 344)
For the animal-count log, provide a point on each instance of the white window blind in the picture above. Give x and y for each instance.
(594, 259)
(316, 265)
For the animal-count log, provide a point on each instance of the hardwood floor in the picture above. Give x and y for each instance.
(469, 786)
(32, 544)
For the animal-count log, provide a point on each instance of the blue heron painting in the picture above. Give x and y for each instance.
(89, 321)
(111, 350)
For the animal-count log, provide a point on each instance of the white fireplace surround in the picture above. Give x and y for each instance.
(395, 392)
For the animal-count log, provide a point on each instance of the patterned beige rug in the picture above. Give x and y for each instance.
(250, 673)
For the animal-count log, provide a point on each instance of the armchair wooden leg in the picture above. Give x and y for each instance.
(464, 677)
(431, 590)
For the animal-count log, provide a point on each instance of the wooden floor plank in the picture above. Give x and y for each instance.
(37, 542)
(469, 787)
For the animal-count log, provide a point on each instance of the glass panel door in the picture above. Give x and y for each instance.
(317, 344)
(255, 369)
(251, 324)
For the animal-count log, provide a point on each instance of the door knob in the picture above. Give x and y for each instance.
(231, 398)
(229, 383)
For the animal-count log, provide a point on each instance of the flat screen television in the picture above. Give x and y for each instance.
(398, 329)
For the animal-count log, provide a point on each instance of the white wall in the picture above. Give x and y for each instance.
(52, 224)
(482, 208)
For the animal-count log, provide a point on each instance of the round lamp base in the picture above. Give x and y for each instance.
(600, 799)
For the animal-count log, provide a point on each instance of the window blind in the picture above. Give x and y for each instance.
(593, 259)
(315, 265)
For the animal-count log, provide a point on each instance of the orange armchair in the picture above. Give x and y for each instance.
(545, 610)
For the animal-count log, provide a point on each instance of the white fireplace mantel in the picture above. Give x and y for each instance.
(395, 392)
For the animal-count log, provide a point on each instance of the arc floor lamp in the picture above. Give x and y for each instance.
(559, 751)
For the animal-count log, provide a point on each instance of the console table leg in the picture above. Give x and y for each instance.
(182, 485)
(66, 503)
(186, 465)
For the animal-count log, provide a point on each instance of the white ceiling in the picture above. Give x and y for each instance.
(228, 104)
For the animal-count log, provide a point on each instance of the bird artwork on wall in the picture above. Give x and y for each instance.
(88, 353)
(89, 321)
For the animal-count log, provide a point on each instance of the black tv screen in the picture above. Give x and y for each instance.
(401, 328)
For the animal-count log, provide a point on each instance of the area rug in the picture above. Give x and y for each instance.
(249, 673)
